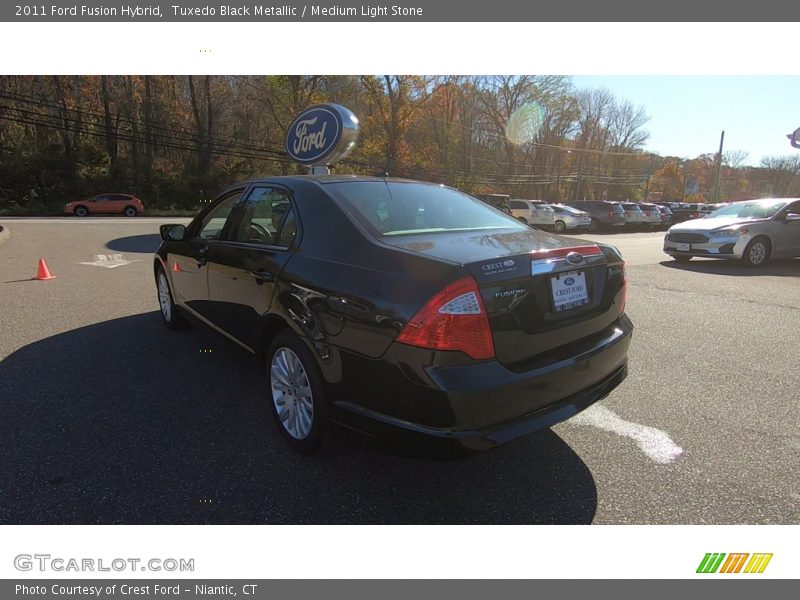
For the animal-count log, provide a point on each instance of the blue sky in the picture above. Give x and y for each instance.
(687, 113)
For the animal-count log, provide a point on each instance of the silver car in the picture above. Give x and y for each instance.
(751, 231)
(567, 217)
(532, 212)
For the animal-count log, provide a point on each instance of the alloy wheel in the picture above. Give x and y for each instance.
(164, 299)
(291, 393)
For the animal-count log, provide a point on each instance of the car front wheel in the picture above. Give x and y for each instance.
(756, 253)
(560, 226)
(81, 211)
(297, 397)
(169, 313)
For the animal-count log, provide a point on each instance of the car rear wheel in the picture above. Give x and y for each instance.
(81, 211)
(130, 211)
(560, 226)
(756, 253)
(168, 311)
(294, 385)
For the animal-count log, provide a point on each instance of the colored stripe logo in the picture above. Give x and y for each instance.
(734, 563)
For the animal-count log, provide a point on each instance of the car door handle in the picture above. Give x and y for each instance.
(262, 276)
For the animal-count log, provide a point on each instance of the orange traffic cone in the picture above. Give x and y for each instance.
(43, 273)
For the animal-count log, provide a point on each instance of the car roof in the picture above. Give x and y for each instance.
(333, 178)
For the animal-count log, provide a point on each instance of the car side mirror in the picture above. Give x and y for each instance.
(174, 233)
(791, 217)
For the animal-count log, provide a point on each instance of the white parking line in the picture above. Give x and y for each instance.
(656, 444)
(110, 261)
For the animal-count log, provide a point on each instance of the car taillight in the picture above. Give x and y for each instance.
(453, 319)
(611, 214)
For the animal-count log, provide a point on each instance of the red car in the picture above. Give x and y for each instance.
(111, 204)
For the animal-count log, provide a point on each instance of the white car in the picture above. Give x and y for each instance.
(567, 218)
(751, 231)
(533, 212)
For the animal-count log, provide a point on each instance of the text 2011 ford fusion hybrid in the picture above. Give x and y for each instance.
(400, 307)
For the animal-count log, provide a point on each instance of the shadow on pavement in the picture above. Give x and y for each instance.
(783, 267)
(145, 244)
(128, 422)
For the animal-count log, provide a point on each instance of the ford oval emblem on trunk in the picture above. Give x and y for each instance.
(574, 258)
(322, 135)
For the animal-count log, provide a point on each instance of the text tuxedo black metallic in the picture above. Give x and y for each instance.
(400, 307)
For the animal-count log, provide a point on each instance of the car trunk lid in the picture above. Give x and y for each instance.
(542, 292)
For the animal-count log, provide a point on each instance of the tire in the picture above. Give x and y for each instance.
(296, 393)
(592, 227)
(130, 211)
(757, 252)
(81, 211)
(560, 226)
(682, 259)
(168, 310)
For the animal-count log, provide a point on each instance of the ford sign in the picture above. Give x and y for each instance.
(322, 135)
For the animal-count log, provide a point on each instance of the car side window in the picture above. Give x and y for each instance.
(794, 207)
(264, 212)
(214, 222)
(288, 231)
(516, 204)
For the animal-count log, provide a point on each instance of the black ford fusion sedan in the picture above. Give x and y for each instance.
(399, 307)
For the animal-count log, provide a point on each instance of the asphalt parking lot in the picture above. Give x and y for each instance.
(108, 417)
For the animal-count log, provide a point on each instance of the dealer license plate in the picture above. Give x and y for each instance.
(569, 290)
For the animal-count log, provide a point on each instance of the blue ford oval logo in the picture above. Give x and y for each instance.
(569, 281)
(322, 135)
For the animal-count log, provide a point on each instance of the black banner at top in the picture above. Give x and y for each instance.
(402, 11)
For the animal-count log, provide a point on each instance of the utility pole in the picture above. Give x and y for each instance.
(719, 167)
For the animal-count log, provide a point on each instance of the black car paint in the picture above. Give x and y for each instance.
(349, 294)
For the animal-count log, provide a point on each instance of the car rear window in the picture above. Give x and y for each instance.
(405, 208)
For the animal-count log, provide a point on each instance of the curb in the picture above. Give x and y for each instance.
(4, 234)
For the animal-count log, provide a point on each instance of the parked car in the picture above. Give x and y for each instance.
(666, 215)
(399, 307)
(752, 232)
(533, 212)
(634, 217)
(652, 215)
(568, 218)
(686, 212)
(497, 200)
(605, 215)
(111, 204)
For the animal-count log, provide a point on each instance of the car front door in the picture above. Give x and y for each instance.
(786, 234)
(244, 268)
(188, 265)
(99, 203)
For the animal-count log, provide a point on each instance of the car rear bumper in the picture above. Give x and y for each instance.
(482, 405)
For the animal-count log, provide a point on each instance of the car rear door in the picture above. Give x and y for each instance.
(243, 269)
(188, 264)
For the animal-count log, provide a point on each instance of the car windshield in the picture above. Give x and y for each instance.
(763, 209)
(391, 208)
